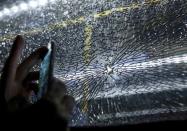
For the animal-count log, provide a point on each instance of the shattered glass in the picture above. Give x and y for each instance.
(124, 61)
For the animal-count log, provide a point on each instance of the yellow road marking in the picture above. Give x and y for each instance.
(87, 43)
(85, 96)
(86, 56)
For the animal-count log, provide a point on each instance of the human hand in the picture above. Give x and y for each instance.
(16, 79)
(17, 82)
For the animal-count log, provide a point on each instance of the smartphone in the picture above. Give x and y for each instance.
(46, 71)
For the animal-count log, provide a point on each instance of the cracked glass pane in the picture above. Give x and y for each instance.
(123, 61)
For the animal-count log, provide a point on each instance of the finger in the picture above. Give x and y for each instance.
(28, 89)
(9, 71)
(32, 76)
(30, 82)
(28, 63)
(32, 86)
(67, 105)
(56, 91)
(58, 88)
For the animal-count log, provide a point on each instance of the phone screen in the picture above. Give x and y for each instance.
(46, 71)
